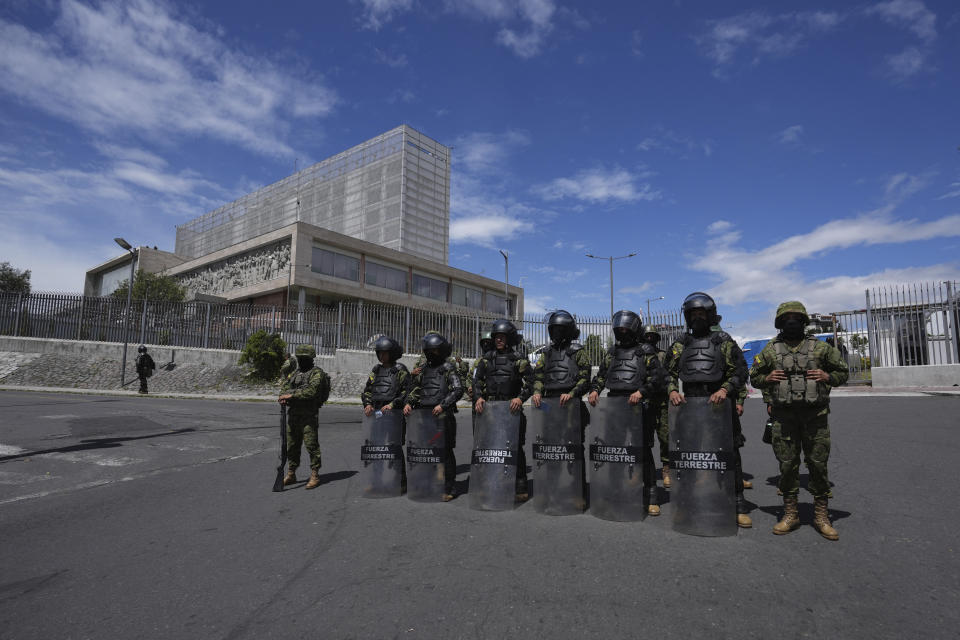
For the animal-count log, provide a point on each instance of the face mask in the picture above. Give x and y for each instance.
(700, 326)
(793, 329)
(304, 363)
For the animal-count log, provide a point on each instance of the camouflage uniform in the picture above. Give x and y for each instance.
(308, 390)
(461, 366)
(657, 407)
(403, 384)
(799, 408)
(580, 386)
(289, 366)
(145, 366)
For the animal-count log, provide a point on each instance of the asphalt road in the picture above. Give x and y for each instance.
(154, 518)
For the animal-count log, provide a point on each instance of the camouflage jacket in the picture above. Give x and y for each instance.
(454, 387)
(582, 384)
(830, 359)
(463, 369)
(734, 367)
(403, 386)
(653, 383)
(482, 365)
(309, 390)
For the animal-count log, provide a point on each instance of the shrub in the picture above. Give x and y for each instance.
(265, 352)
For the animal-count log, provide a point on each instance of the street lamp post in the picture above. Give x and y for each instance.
(126, 315)
(648, 306)
(611, 259)
(506, 283)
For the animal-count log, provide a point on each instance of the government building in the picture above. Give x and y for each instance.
(371, 223)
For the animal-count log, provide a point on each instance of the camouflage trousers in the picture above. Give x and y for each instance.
(657, 414)
(302, 431)
(797, 432)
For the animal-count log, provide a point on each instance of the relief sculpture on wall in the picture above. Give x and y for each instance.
(260, 265)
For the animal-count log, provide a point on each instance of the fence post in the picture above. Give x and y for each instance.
(206, 329)
(143, 322)
(16, 326)
(83, 300)
(339, 321)
(873, 342)
(953, 332)
(406, 331)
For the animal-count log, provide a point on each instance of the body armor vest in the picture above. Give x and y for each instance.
(433, 384)
(560, 370)
(796, 389)
(701, 360)
(503, 380)
(386, 384)
(627, 370)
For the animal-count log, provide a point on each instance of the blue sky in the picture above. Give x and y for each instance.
(757, 151)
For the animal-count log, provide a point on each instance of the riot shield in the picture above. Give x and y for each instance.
(493, 468)
(382, 454)
(425, 456)
(558, 457)
(702, 493)
(616, 460)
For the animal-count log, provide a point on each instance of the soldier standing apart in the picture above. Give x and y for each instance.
(386, 388)
(631, 368)
(437, 387)
(709, 363)
(289, 366)
(796, 373)
(303, 393)
(502, 374)
(657, 404)
(145, 366)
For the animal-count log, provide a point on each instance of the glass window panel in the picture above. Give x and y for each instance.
(429, 287)
(330, 263)
(380, 275)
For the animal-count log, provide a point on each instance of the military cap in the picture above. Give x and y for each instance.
(791, 306)
(306, 351)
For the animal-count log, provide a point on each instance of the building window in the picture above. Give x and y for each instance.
(331, 263)
(429, 288)
(466, 297)
(495, 304)
(380, 275)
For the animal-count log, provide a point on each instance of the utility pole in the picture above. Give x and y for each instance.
(611, 259)
(506, 283)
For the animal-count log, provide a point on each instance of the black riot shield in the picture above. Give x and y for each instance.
(558, 457)
(425, 456)
(493, 468)
(382, 454)
(702, 493)
(616, 460)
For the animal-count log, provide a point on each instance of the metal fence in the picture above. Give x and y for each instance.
(914, 324)
(346, 325)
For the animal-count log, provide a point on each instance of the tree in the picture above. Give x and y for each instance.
(266, 352)
(12, 280)
(593, 345)
(154, 287)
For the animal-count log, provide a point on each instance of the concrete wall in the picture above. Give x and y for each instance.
(932, 375)
(114, 351)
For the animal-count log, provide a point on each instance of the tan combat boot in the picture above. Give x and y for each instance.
(314, 480)
(821, 519)
(290, 478)
(666, 475)
(791, 518)
(653, 509)
(747, 484)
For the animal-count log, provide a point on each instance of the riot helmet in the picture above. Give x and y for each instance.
(626, 325)
(508, 329)
(700, 300)
(562, 327)
(436, 348)
(142, 348)
(390, 346)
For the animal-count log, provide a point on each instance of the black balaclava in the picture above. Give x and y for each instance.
(793, 328)
(699, 327)
(625, 338)
(434, 356)
(305, 363)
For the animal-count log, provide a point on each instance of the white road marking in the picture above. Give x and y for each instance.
(10, 450)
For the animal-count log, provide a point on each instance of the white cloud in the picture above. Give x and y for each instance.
(674, 143)
(537, 303)
(482, 152)
(396, 61)
(954, 191)
(907, 63)
(909, 14)
(534, 16)
(486, 230)
(643, 287)
(599, 185)
(377, 13)
(719, 226)
(790, 135)
(136, 66)
(763, 34)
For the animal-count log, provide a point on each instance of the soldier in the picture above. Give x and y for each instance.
(738, 438)
(437, 386)
(631, 368)
(709, 364)
(486, 344)
(386, 388)
(502, 374)
(463, 369)
(564, 368)
(145, 367)
(303, 393)
(657, 405)
(796, 373)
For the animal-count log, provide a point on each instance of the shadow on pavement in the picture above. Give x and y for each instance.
(94, 443)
